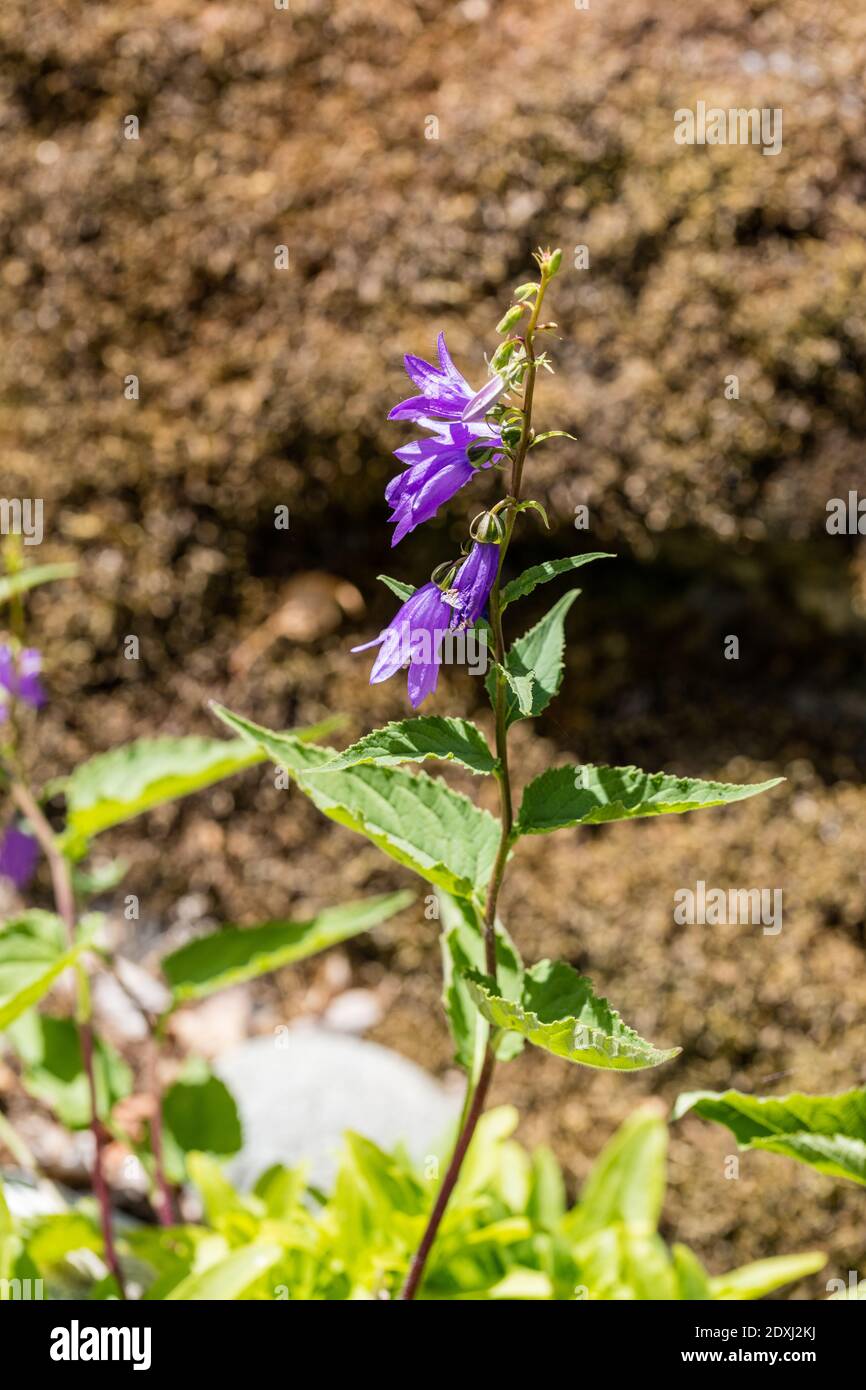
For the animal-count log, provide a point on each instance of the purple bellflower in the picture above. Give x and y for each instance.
(436, 468)
(19, 679)
(19, 855)
(415, 635)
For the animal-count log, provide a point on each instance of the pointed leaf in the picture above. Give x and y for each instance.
(415, 819)
(762, 1277)
(827, 1132)
(413, 740)
(559, 1012)
(536, 655)
(403, 591)
(12, 584)
(692, 1278)
(547, 570)
(587, 795)
(462, 943)
(233, 954)
(32, 957)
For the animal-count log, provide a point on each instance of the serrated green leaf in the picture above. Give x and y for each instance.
(53, 1071)
(414, 818)
(413, 740)
(234, 954)
(462, 944)
(536, 657)
(559, 1012)
(543, 573)
(227, 1279)
(12, 584)
(826, 1132)
(403, 591)
(32, 956)
(762, 1277)
(588, 795)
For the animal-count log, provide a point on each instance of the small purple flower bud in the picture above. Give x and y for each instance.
(19, 855)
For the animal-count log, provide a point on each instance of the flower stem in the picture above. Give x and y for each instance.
(476, 1093)
(64, 899)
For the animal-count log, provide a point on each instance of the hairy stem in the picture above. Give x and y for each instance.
(476, 1094)
(64, 899)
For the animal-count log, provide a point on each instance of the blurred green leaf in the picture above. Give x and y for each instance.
(228, 1278)
(12, 584)
(826, 1132)
(762, 1277)
(233, 954)
(53, 1071)
(199, 1115)
(32, 956)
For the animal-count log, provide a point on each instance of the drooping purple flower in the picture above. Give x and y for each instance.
(20, 678)
(436, 468)
(415, 635)
(471, 588)
(445, 394)
(19, 855)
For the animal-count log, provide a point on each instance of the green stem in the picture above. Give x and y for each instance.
(64, 899)
(476, 1093)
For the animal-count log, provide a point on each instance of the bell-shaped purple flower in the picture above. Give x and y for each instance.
(436, 469)
(445, 394)
(19, 855)
(470, 590)
(415, 636)
(19, 679)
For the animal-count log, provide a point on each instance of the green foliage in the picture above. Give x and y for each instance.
(415, 819)
(123, 783)
(558, 1011)
(13, 584)
(543, 573)
(587, 795)
(534, 664)
(199, 1114)
(397, 586)
(462, 943)
(33, 954)
(53, 1068)
(508, 1232)
(827, 1132)
(413, 740)
(232, 954)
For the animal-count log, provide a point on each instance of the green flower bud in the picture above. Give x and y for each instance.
(554, 263)
(526, 291)
(509, 319)
(487, 528)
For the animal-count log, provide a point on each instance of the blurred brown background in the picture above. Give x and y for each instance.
(261, 387)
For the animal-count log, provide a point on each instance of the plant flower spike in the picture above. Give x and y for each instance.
(495, 1003)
